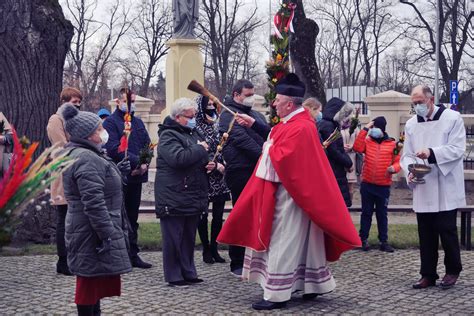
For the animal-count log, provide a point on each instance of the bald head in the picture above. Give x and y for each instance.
(422, 90)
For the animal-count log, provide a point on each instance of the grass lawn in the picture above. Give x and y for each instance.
(401, 236)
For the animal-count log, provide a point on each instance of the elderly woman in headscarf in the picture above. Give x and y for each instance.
(218, 191)
(96, 231)
(335, 113)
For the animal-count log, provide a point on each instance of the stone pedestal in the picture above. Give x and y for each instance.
(393, 106)
(184, 63)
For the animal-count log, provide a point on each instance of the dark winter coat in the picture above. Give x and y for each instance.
(139, 138)
(244, 145)
(209, 129)
(181, 184)
(335, 152)
(93, 190)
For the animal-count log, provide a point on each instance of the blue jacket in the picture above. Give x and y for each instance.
(139, 138)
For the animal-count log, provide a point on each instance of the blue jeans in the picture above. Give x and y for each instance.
(378, 196)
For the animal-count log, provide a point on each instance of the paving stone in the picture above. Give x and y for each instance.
(370, 283)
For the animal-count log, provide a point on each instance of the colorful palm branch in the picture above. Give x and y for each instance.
(25, 180)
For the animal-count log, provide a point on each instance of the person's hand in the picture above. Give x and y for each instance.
(370, 125)
(244, 119)
(390, 171)
(203, 144)
(410, 179)
(211, 165)
(124, 167)
(347, 148)
(423, 154)
(105, 246)
(220, 168)
(143, 168)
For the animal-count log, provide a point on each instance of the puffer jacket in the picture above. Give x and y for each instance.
(244, 145)
(181, 185)
(378, 157)
(93, 189)
(338, 158)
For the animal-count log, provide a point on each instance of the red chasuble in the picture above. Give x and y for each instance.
(301, 164)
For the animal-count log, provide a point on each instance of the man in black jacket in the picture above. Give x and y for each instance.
(242, 150)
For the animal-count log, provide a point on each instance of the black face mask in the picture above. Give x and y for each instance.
(210, 112)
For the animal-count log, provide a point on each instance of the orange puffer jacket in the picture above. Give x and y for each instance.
(378, 157)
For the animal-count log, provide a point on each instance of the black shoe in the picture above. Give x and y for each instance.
(194, 281)
(365, 245)
(207, 256)
(264, 305)
(62, 268)
(386, 247)
(309, 296)
(178, 283)
(137, 262)
(237, 272)
(217, 258)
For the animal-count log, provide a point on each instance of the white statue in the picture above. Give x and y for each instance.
(185, 16)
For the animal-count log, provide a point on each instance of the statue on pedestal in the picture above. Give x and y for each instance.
(185, 16)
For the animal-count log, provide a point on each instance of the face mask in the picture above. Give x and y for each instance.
(376, 133)
(104, 136)
(319, 117)
(123, 107)
(421, 110)
(191, 123)
(248, 101)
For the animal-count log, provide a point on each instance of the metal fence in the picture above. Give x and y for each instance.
(469, 156)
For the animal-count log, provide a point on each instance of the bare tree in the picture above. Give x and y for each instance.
(151, 30)
(455, 34)
(223, 31)
(91, 58)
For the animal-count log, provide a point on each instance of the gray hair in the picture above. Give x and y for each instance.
(181, 105)
(297, 101)
(427, 91)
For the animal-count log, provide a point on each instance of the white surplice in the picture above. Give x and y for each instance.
(444, 187)
(296, 257)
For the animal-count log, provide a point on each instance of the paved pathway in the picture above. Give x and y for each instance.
(368, 283)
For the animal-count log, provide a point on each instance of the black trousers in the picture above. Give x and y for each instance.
(132, 194)
(431, 228)
(236, 181)
(89, 310)
(61, 211)
(218, 205)
(179, 236)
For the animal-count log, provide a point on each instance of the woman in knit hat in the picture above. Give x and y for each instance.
(96, 233)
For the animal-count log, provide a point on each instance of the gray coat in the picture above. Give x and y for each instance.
(93, 190)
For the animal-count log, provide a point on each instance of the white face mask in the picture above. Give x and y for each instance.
(421, 110)
(123, 107)
(104, 137)
(249, 101)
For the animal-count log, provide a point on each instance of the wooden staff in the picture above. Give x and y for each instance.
(198, 88)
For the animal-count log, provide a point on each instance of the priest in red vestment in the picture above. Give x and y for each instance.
(291, 216)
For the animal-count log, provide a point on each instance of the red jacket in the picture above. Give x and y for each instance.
(378, 157)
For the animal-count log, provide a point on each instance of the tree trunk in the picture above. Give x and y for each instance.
(34, 39)
(302, 53)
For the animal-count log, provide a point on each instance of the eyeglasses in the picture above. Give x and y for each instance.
(188, 117)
